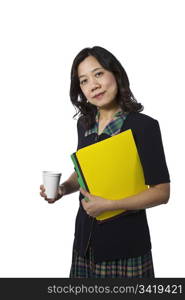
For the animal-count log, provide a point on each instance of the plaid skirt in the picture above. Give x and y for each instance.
(134, 267)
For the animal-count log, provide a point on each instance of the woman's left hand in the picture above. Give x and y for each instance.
(96, 205)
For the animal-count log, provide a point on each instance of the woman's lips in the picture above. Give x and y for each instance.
(99, 96)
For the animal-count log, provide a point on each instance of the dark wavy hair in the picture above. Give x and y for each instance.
(108, 61)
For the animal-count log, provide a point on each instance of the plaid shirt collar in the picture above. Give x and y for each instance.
(113, 127)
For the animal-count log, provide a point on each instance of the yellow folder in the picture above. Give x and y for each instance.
(110, 169)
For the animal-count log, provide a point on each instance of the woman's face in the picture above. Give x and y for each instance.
(94, 80)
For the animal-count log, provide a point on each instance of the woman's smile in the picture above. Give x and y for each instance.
(99, 96)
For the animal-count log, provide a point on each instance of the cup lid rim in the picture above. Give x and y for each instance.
(52, 173)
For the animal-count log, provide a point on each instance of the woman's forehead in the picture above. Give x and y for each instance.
(88, 65)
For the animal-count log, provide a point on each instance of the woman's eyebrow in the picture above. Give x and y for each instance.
(91, 72)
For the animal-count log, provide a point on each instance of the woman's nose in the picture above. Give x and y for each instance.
(94, 84)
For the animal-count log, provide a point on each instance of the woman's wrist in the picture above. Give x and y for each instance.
(111, 205)
(67, 188)
(63, 188)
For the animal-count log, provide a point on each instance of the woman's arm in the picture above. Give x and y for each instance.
(71, 185)
(155, 195)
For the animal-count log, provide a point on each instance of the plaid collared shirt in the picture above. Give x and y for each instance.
(113, 127)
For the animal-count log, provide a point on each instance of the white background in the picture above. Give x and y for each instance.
(39, 40)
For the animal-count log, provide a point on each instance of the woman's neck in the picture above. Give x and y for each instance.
(107, 114)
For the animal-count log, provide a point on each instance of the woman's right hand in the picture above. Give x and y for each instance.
(59, 194)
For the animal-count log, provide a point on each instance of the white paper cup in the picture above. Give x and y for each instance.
(51, 181)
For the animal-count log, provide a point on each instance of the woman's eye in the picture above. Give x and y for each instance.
(85, 80)
(82, 82)
(99, 73)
